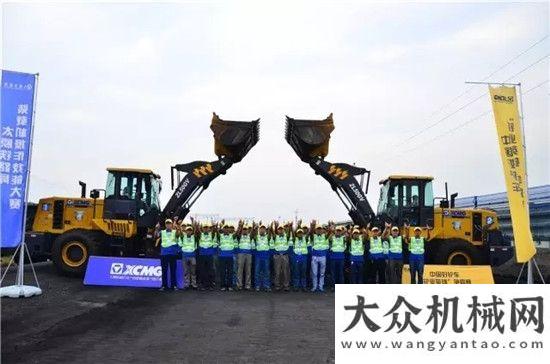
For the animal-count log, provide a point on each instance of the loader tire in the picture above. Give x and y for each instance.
(71, 251)
(458, 252)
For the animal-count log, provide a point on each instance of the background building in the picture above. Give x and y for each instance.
(539, 209)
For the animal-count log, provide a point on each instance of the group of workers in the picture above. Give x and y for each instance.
(285, 255)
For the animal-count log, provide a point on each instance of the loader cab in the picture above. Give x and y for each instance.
(407, 199)
(132, 194)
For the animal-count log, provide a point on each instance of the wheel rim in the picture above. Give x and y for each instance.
(74, 254)
(459, 258)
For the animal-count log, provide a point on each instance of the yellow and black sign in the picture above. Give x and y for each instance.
(338, 172)
(510, 140)
(453, 274)
(203, 170)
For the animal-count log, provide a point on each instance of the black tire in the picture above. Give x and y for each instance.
(71, 251)
(457, 252)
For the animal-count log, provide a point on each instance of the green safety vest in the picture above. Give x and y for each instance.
(262, 243)
(357, 247)
(385, 247)
(227, 242)
(300, 246)
(320, 242)
(206, 241)
(167, 238)
(395, 244)
(187, 244)
(245, 242)
(376, 246)
(338, 244)
(417, 245)
(281, 243)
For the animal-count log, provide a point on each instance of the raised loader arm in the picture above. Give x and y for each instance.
(233, 140)
(310, 141)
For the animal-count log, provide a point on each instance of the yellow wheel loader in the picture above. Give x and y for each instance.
(459, 236)
(120, 219)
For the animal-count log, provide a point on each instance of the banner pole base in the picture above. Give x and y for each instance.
(21, 290)
(530, 278)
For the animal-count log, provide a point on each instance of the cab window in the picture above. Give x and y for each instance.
(428, 195)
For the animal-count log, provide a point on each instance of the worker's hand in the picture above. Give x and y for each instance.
(387, 224)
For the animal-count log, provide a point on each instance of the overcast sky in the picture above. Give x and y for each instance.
(135, 85)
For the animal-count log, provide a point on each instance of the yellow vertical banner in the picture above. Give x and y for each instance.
(510, 140)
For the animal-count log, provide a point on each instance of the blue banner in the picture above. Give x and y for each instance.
(128, 272)
(17, 94)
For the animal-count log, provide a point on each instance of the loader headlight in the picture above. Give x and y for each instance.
(489, 220)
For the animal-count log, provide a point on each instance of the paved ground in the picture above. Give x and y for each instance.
(71, 322)
(74, 323)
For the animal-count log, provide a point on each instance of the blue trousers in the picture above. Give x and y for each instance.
(318, 266)
(235, 268)
(262, 277)
(337, 270)
(299, 268)
(416, 265)
(226, 272)
(168, 262)
(356, 272)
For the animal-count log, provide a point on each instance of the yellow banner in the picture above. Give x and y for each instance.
(452, 274)
(510, 139)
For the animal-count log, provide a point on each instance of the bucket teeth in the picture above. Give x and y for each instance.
(234, 139)
(309, 138)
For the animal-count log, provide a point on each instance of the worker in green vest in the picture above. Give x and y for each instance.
(319, 258)
(280, 259)
(205, 262)
(299, 260)
(262, 273)
(416, 250)
(227, 245)
(395, 255)
(244, 258)
(188, 246)
(168, 254)
(356, 256)
(337, 255)
(376, 256)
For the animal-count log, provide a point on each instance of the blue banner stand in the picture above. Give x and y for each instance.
(19, 289)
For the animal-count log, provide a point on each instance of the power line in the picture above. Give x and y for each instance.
(466, 122)
(439, 121)
(512, 60)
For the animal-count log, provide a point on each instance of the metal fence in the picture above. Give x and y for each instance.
(539, 210)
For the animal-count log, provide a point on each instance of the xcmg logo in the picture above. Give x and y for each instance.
(338, 172)
(136, 270)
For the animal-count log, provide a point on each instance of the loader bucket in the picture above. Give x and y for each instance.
(309, 138)
(233, 139)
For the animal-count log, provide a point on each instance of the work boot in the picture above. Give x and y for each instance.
(222, 289)
(230, 289)
(162, 289)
